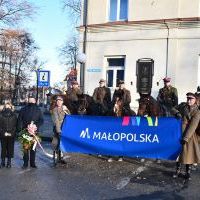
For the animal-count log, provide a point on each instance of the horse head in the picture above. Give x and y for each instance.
(148, 106)
(120, 109)
(82, 104)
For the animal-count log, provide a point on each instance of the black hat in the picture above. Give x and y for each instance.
(120, 82)
(191, 95)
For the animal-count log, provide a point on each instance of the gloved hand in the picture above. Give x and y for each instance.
(178, 116)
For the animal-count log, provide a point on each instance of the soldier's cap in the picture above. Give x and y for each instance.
(102, 80)
(191, 95)
(59, 98)
(74, 83)
(166, 79)
(120, 82)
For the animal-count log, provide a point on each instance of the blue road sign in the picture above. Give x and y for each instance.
(43, 78)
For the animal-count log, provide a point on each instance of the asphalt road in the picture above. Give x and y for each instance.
(89, 177)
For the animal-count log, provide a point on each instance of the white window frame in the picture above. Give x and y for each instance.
(118, 11)
(114, 68)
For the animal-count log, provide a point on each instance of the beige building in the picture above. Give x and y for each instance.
(119, 32)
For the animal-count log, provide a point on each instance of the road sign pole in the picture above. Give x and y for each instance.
(37, 87)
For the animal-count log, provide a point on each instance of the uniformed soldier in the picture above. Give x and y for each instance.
(190, 115)
(72, 96)
(102, 96)
(122, 93)
(167, 96)
(74, 91)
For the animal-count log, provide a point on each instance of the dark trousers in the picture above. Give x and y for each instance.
(29, 154)
(7, 147)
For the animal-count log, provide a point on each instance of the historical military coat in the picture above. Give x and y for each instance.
(72, 94)
(190, 150)
(124, 94)
(168, 96)
(102, 95)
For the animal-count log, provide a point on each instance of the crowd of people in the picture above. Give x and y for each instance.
(188, 112)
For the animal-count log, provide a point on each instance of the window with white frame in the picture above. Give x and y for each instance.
(115, 71)
(118, 10)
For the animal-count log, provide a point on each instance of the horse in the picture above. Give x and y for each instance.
(149, 106)
(120, 110)
(87, 106)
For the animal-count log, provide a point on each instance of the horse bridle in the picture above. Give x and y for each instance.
(83, 108)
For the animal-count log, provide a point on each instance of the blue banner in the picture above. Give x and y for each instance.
(145, 137)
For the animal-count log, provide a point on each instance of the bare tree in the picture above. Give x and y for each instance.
(74, 8)
(69, 52)
(14, 11)
(18, 50)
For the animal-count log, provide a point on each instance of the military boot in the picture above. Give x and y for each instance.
(178, 170)
(188, 172)
(8, 163)
(2, 162)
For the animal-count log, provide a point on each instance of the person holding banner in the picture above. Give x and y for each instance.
(58, 114)
(190, 115)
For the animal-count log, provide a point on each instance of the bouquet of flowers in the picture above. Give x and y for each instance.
(28, 137)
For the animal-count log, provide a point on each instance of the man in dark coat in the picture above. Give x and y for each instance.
(102, 96)
(167, 96)
(123, 94)
(27, 114)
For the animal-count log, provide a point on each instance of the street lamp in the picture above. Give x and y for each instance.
(82, 56)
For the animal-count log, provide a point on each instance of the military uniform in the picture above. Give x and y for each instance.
(123, 94)
(190, 152)
(72, 94)
(102, 95)
(168, 97)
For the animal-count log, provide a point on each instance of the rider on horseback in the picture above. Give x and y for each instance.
(123, 94)
(72, 95)
(102, 96)
(167, 96)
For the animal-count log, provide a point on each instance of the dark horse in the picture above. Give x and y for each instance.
(148, 106)
(87, 106)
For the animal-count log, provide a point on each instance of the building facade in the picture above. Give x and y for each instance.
(116, 33)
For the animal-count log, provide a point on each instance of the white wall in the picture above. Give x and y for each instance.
(98, 10)
(184, 49)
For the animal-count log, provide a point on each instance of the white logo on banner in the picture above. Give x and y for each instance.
(129, 137)
(85, 133)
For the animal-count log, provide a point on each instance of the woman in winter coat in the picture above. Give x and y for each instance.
(8, 123)
(190, 115)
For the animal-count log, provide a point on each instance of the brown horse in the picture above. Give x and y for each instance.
(120, 110)
(148, 106)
